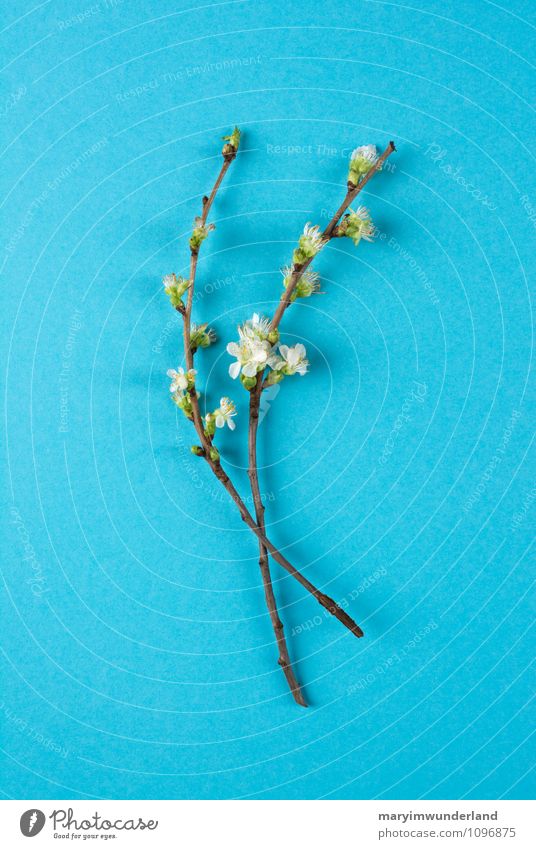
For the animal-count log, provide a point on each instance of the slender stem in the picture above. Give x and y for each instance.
(323, 599)
(256, 392)
(284, 657)
(327, 234)
(215, 465)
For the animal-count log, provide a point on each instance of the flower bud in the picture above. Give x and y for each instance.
(201, 336)
(274, 377)
(197, 450)
(248, 382)
(214, 454)
(309, 244)
(210, 424)
(361, 161)
(175, 287)
(273, 337)
(357, 225)
(199, 233)
(233, 142)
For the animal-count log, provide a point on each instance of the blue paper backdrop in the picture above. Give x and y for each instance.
(138, 660)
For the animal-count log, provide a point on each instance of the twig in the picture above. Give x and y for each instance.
(328, 233)
(323, 599)
(284, 658)
(256, 392)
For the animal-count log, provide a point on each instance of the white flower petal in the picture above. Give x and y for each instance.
(234, 370)
(231, 424)
(220, 421)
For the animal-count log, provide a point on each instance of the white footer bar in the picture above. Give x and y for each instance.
(269, 824)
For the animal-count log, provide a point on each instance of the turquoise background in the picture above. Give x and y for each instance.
(138, 660)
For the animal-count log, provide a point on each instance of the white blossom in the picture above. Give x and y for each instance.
(181, 380)
(252, 356)
(253, 351)
(224, 414)
(292, 360)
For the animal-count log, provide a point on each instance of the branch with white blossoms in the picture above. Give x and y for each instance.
(259, 361)
(368, 163)
(256, 350)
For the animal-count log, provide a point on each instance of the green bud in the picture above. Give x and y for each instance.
(197, 238)
(175, 287)
(199, 233)
(273, 337)
(214, 454)
(210, 424)
(357, 225)
(301, 255)
(233, 139)
(274, 377)
(184, 403)
(248, 382)
(201, 336)
(362, 160)
(358, 168)
(197, 450)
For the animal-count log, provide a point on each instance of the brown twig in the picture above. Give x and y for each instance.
(323, 599)
(256, 392)
(284, 657)
(351, 194)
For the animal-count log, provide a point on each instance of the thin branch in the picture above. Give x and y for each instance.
(327, 234)
(328, 603)
(256, 392)
(323, 599)
(284, 657)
